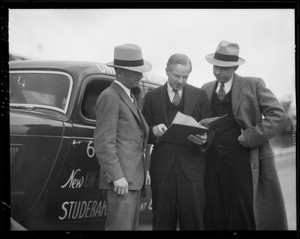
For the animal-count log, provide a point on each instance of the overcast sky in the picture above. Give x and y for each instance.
(266, 38)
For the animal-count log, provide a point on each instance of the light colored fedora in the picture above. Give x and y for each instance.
(226, 55)
(129, 56)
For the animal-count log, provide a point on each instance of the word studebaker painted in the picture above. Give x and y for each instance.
(54, 173)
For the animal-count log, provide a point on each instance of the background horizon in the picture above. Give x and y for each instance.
(266, 38)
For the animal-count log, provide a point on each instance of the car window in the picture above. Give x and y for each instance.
(43, 89)
(91, 94)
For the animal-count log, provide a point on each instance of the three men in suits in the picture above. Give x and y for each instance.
(241, 183)
(177, 171)
(120, 139)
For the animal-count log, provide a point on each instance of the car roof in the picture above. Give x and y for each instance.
(78, 69)
(75, 68)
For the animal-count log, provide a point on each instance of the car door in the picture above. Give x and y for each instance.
(79, 203)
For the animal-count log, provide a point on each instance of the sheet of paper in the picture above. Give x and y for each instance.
(183, 119)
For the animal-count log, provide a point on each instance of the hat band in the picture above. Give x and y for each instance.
(223, 57)
(128, 63)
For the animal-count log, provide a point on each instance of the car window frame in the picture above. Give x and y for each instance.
(56, 72)
(83, 87)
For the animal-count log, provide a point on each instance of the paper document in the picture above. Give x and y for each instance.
(213, 122)
(181, 127)
(185, 125)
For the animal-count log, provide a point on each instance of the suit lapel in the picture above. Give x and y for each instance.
(161, 104)
(142, 120)
(189, 100)
(237, 93)
(126, 99)
(210, 90)
(145, 126)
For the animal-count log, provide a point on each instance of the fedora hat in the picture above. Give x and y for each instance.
(226, 55)
(129, 56)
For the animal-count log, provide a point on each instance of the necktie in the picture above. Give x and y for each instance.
(221, 92)
(132, 98)
(134, 101)
(176, 98)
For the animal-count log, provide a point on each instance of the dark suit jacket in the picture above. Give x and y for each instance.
(251, 100)
(120, 139)
(163, 155)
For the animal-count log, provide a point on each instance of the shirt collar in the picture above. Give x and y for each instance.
(171, 91)
(127, 90)
(227, 86)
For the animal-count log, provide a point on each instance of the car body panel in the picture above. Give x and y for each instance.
(54, 171)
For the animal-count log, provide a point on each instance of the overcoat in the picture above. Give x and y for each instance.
(260, 116)
(120, 139)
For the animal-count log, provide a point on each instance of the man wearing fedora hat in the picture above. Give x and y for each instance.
(120, 139)
(241, 182)
(177, 170)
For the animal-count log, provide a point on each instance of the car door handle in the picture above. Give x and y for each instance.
(75, 142)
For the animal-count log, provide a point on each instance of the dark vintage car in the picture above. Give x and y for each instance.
(54, 173)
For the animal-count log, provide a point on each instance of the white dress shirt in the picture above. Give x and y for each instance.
(171, 92)
(127, 90)
(227, 86)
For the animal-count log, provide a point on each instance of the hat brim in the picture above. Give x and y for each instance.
(210, 58)
(144, 68)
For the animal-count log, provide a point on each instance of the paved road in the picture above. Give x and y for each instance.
(286, 166)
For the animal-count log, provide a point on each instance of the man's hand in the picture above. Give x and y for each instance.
(121, 186)
(159, 130)
(198, 139)
(242, 140)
